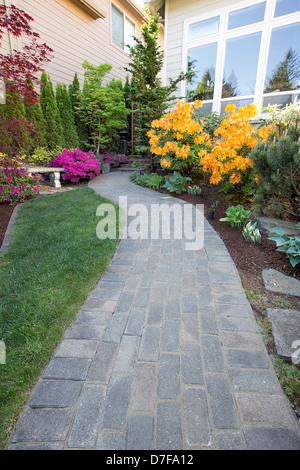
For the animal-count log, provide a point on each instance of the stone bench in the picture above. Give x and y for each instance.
(54, 173)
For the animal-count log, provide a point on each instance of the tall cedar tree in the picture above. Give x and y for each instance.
(54, 130)
(15, 69)
(81, 127)
(66, 116)
(151, 99)
(35, 117)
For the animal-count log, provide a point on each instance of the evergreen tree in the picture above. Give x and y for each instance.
(54, 130)
(81, 127)
(151, 99)
(66, 116)
(35, 117)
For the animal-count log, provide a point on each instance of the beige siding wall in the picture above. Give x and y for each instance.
(177, 12)
(75, 36)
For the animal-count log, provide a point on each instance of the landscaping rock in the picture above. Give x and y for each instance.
(267, 225)
(278, 282)
(286, 330)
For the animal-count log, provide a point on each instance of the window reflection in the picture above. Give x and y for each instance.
(241, 62)
(238, 104)
(203, 60)
(283, 70)
(246, 16)
(284, 7)
(117, 27)
(203, 28)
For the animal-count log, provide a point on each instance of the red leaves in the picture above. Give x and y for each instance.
(25, 64)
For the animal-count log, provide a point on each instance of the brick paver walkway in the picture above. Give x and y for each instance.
(164, 355)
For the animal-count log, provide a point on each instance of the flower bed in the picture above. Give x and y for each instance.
(113, 160)
(17, 186)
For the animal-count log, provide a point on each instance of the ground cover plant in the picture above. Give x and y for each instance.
(53, 262)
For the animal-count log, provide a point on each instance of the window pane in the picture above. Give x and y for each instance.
(283, 69)
(117, 27)
(203, 60)
(203, 111)
(204, 28)
(241, 61)
(129, 31)
(280, 99)
(246, 16)
(238, 104)
(284, 7)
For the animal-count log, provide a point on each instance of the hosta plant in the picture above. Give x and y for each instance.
(176, 183)
(236, 216)
(288, 245)
(251, 233)
(194, 190)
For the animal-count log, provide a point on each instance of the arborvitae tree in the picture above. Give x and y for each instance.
(151, 99)
(14, 127)
(66, 116)
(81, 127)
(54, 130)
(35, 117)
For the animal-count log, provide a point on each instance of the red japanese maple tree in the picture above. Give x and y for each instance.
(17, 69)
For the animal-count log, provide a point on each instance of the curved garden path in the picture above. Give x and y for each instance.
(165, 354)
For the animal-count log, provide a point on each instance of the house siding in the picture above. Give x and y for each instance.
(75, 36)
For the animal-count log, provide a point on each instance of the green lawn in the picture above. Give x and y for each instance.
(52, 264)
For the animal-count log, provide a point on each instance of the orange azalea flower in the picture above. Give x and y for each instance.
(165, 163)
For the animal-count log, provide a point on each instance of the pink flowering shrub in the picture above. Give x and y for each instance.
(17, 186)
(77, 165)
(114, 160)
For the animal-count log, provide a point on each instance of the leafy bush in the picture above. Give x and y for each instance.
(251, 233)
(288, 245)
(77, 164)
(17, 186)
(194, 190)
(236, 216)
(114, 160)
(176, 183)
(151, 180)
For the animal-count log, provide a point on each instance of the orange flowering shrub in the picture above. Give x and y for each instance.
(235, 138)
(178, 138)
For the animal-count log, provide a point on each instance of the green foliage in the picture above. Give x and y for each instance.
(54, 130)
(194, 190)
(81, 126)
(151, 180)
(176, 183)
(40, 156)
(66, 116)
(251, 233)
(288, 245)
(236, 216)
(102, 107)
(150, 98)
(277, 164)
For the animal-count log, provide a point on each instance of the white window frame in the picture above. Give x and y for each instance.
(124, 48)
(265, 27)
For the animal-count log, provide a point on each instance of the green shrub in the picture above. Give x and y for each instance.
(236, 216)
(176, 183)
